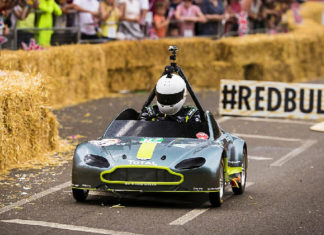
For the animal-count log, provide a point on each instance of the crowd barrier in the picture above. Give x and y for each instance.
(76, 73)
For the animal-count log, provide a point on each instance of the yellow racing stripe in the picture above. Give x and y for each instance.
(146, 151)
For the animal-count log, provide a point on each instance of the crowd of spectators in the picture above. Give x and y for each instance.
(136, 19)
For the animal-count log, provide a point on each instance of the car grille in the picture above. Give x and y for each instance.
(142, 174)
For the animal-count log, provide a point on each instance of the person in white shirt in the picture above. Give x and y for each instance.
(88, 11)
(144, 8)
(129, 27)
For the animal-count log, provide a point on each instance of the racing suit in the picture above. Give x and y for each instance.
(187, 114)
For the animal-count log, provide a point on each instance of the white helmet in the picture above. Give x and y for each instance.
(170, 94)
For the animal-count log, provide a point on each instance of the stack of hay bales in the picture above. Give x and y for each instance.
(295, 56)
(28, 128)
(137, 65)
(71, 73)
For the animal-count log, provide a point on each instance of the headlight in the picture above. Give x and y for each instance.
(191, 163)
(97, 161)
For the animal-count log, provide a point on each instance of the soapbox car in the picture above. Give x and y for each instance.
(161, 156)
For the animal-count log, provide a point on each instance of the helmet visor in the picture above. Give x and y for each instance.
(169, 99)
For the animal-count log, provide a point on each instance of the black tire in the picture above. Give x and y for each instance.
(240, 190)
(216, 198)
(80, 195)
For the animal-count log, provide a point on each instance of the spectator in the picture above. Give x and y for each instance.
(160, 22)
(89, 10)
(233, 9)
(174, 27)
(109, 16)
(129, 27)
(61, 21)
(271, 15)
(22, 17)
(6, 4)
(174, 4)
(214, 12)
(62, 36)
(144, 9)
(188, 14)
(146, 17)
(254, 14)
(4, 27)
(45, 20)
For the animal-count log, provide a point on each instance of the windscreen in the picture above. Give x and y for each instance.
(119, 128)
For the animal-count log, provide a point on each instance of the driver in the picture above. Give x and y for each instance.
(171, 96)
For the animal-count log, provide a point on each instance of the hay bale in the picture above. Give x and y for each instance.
(28, 128)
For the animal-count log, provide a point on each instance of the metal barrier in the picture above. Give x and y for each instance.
(72, 35)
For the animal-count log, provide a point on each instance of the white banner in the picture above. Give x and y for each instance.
(272, 99)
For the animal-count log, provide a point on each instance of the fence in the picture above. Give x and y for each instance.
(72, 34)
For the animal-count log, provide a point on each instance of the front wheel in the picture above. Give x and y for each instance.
(216, 198)
(80, 195)
(241, 185)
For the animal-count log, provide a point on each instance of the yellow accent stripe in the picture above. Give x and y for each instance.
(146, 151)
(138, 183)
(233, 170)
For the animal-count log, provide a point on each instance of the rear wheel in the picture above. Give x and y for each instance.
(80, 195)
(241, 185)
(216, 198)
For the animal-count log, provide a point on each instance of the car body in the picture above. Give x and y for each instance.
(161, 156)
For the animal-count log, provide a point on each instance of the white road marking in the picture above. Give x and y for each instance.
(259, 158)
(35, 197)
(196, 212)
(275, 120)
(189, 216)
(267, 137)
(66, 227)
(307, 144)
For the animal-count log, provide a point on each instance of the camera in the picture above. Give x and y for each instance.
(173, 49)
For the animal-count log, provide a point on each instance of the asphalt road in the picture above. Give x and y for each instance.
(284, 194)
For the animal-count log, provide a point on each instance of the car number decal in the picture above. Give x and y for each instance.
(104, 142)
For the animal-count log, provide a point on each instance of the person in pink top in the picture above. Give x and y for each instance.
(188, 14)
(233, 9)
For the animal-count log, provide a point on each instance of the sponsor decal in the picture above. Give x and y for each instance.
(104, 142)
(183, 145)
(202, 136)
(151, 140)
(139, 184)
(135, 162)
(212, 189)
(198, 189)
(272, 99)
(220, 143)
